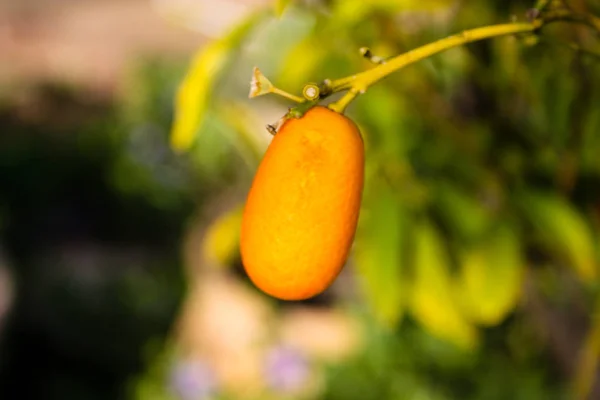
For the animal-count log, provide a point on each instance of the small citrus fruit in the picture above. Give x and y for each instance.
(302, 209)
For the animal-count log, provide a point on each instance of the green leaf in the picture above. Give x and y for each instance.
(222, 238)
(212, 157)
(379, 254)
(197, 89)
(386, 115)
(245, 136)
(564, 231)
(280, 6)
(433, 303)
(491, 277)
(354, 11)
(590, 143)
(301, 63)
(465, 216)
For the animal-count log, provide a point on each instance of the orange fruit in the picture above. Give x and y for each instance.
(302, 209)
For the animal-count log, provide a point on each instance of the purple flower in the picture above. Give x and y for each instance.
(193, 380)
(286, 369)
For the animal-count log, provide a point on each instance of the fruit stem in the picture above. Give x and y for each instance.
(287, 95)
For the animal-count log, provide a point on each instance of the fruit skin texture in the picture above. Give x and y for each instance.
(302, 209)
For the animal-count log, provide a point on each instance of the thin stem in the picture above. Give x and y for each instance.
(361, 81)
(287, 95)
(340, 105)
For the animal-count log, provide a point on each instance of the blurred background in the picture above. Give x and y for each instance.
(128, 144)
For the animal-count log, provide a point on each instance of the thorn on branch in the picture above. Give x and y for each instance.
(271, 129)
(274, 128)
(366, 53)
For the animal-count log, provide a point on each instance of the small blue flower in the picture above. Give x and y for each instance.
(193, 380)
(286, 369)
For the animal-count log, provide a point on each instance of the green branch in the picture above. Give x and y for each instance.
(547, 12)
(359, 83)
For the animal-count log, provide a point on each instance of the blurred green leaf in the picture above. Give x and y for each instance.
(590, 146)
(196, 91)
(351, 11)
(379, 254)
(563, 229)
(552, 98)
(433, 303)
(214, 157)
(465, 216)
(301, 63)
(280, 6)
(244, 138)
(150, 385)
(386, 115)
(223, 237)
(491, 276)
(508, 62)
(589, 359)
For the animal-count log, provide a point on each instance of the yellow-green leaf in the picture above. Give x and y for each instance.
(491, 277)
(564, 230)
(196, 90)
(300, 64)
(222, 238)
(432, 302)
(379, 253)
(245, 127)
(351, 11)
(465, 216)
(280, 6)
